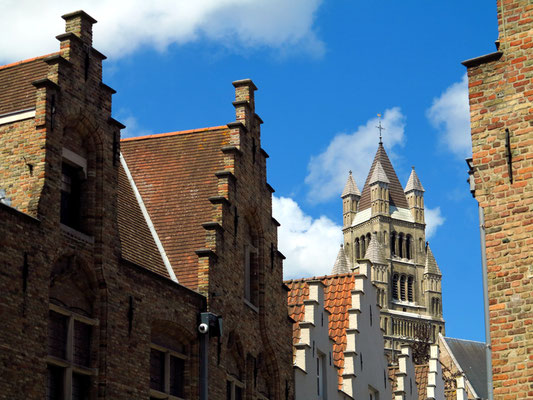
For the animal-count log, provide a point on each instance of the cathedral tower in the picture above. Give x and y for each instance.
(385, 224)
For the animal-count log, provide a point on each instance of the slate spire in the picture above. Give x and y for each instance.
(431, 264)
(374, 252)
(342, 265)
(414, 183)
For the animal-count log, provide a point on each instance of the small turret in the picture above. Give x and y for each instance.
(342, 265)
(350, 200)
(379, 191)
(432, 283)
(414, 192)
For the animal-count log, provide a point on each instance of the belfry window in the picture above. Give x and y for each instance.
(410, 288)
(395, 286)
(402, 288)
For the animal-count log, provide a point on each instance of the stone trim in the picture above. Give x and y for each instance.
(474, 62)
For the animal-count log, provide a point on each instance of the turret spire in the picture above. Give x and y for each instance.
(342, 265)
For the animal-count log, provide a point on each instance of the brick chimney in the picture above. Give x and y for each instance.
(81, 24)
(244, 101)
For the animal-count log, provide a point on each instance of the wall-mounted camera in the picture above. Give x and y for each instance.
(203, 328)
(210, 324)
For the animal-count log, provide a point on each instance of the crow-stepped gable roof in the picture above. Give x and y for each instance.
(396, 193)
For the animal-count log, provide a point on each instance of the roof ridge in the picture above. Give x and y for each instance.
(464, 340)
(158, 135)
(17, 63)
(320, 277)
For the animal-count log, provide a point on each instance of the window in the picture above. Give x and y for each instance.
(321, 389)
(250, 275)
(167, 373)
(395, 286)
(234, 388)
(402, 288)
(410, 288)
(69, 354)
(71, 180)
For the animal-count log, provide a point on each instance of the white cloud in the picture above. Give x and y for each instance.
(450, 114)
(355, 151)
(310, 244)
(434, 219)
(29, 29)
(133, 128)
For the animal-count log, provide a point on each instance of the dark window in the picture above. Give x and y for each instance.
(57, 334)
(228, 390)
(402, 288)
(71, 196)
(80, 387)
(177, 368)
(54, 386)
(410, 288)
(82, 344)
(395, 286)
(157, 370)
(238, 393)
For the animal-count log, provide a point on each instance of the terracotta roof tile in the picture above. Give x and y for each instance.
(174, 174)
(16, 89)
(421, 377)
(137, 243)
(337, 299)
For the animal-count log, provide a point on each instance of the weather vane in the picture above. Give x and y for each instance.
(380, 128)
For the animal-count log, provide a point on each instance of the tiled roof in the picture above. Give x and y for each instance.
(421, 377)
(137, 243)
(175, 175)
(396, 194)
(341, 266)
(338, 300)
(414, 183)
(16, 89)
(350, 187)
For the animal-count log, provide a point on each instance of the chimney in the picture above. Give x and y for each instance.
(244, 101)
(81, 24)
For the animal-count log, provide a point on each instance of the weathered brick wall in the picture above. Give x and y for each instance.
(260, 337)
(501, 95)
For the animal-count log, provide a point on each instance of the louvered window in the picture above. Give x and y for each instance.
(410, 288)
(395, 286)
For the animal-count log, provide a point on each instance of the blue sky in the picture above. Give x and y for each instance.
(324, 69)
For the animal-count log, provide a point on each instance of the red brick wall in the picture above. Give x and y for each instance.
(501, 95)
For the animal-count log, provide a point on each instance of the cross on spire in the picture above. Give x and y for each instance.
(380, 128)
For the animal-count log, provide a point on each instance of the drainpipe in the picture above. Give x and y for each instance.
(486, 301)
(204, 343)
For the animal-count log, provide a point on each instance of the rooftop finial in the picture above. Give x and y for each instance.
(380, 128)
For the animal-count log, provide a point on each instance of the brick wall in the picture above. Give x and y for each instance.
(501, 95)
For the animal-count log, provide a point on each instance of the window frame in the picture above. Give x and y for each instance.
(167, 353)
(68, 364)
(235, 382)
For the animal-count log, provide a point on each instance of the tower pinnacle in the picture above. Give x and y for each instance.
(380, 128)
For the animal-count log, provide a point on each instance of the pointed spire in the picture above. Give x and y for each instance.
(342, 266)
(396, 193)
(350, 187)
(414, 183)
(374, 252)
(431, 263)
(378, 175)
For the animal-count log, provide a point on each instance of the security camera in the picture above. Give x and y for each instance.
(203, 328)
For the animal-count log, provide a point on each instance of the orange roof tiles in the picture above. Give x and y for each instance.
(16, 89)
(174, 174)
(338, 300)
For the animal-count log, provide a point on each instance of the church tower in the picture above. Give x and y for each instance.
(385, 224)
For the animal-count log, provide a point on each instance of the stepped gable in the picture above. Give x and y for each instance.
(136, 240)
(421, 378)
(16, 90)
(374, 252)
(414, 183)
(431, 264)
(342, 265)
(396, 193)
(337, 299)
(175, 175)
(351, 187)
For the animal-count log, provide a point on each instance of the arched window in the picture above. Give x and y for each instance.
(356, 248)
(71, 357)
(393, 244)
(251, 266)
(395, 286)
(410, 288)
(401, 245)
(363, 246)
(408, 240)
(402, 288)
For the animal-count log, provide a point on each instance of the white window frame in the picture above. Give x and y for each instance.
(67, 364)
(166, 378)
(235, 382)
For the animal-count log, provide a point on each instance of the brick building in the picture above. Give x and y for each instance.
(112, 253)
(501, 114)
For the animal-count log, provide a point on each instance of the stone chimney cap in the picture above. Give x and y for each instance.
(79, 13)
(245, 82)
